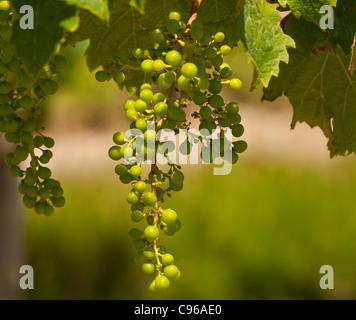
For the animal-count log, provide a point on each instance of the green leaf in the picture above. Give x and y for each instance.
(309, 9)
(217, 10)
(35, 47)
(97, 7)
(258, 26)
(323, 94)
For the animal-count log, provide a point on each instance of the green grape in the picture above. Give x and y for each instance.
(114, 153)
(151, 233)
(132, 198)
(58, 202)
(196, 24)
(120, 169)
(148, 268)
(173, 58)
(4, 5)
(26, 102)
(131, 114)
(22, 187)
(184, 83)
(12, 126)
(161, 109)
(232, 108)
(137, 207)
(189, 70)
(215, 86)
(57, 192)
(177, 177)
(150, 220)
(240, 146)
(6, 111)
(50, 87)
(157, 36)
(141, 125)
(129, 104)
(147, 66)
(158, 65)
(225, 50)
(146, 96)
(48, 210)
(219, 37)
(28, 126)
(217, 61)
(21, 153)
(149, 199)
(177, 114)
(150, 135)
(210, 52)
(199, 98)
(235, 118)
(119, 138)
(162, 283)
(225, 72)
(152, 286)
(149, 253)
(196, 33)
(174, 15)
(138, 53)
(173, 26)
(29, 202)
(169, 124)
(158, 97)
(216, 101)
(204, 83)
(44, 173)
(169, 216)
(207, 125)
(44, 194)
(224, 122)
(38, 141)
(171, 271)
(165, 80)
(205, 113)
(126, 178)
(15, 171)
(237, 130)
(137, 216)
(136, 171)
(167, 259)
(235, 84)
(5, 87)
(140, 186)
(119, 77)
(176, 187)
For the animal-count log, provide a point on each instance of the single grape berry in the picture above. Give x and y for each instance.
(173, 58)
(240, 146)
(146, 95)
(219, 37)
(114, 153)
(232, 108)
(189, 70)
(147, 65)
(158, 65)
(174, 15)
(136, 171)
(151, 233)
(199, 98)
(183, 83)
(119, 77)
(132, 198)
(161, 109)
(171, 271)
(225, 50)
(177, 177)
(237, 130)
(157, 36)
(235, 84)
(169, 217)
(101, 76)
(119, 138)
(141, 125)
(162, 282)
(129, 104)
(140, 186)
(149, 199)
(121, 170)
(148, 268)
(158, 97)
(167, 259)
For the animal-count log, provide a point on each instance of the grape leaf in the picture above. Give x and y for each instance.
(217, 10)
(266, 45)
(35, 47)
(309, 9)
(97, 7)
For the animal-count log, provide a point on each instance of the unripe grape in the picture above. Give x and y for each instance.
(219, 37)
(5, 87)
(129, 104)
(38, 141)
(204, 83)
(44, 173)
(235, 84)
(169, 216)
(177, 177)
(140, 105)
(136, 216)
(140, 186)
(205, 113)
(173, 26)
(148, 268)
(158, 65)
(101, 76)
(189, 70)
(150, 135)
(162, 282)
(58, 202)
(48, 142)
(119, 77)
(161, 109)
(4, 5)
(151, 233)
(121, 170)
(132, 198)
(237, 130)
(136, 171)
(240, 146)
(57, 192)
(216, 101)
(210, 53)
(196, 33)
(199, 98)
(232, 108)
(149, 199)
(29, 202)
(152, 286)
(131, 114)
(40, 208)
(135, 234)
(215, 86)
(175, 15)
(146, 96)
(126, 178)
(141, 125)
(183, 83)
(173, 58)
(235, 118)
(158, 97)
(26, 102)
(147, 65)
(119, 138)
(114, 153)
(15, 171)
(217, 61)
(225, 72)
(157, 36)
(171, 271)
(225, 50)
(176, 114)
(167, 259)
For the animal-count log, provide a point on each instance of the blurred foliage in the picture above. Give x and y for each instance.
(262, 232)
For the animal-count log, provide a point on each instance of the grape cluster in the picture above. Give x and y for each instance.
(21, 112)
(187, 62)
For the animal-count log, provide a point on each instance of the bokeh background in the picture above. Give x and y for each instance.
(262, 232)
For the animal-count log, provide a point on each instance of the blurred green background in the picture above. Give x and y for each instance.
(262, 232)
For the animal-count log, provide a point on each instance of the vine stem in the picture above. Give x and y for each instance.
(194, 11)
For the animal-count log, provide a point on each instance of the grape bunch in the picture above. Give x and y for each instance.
(21, 113)
(184, 69)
